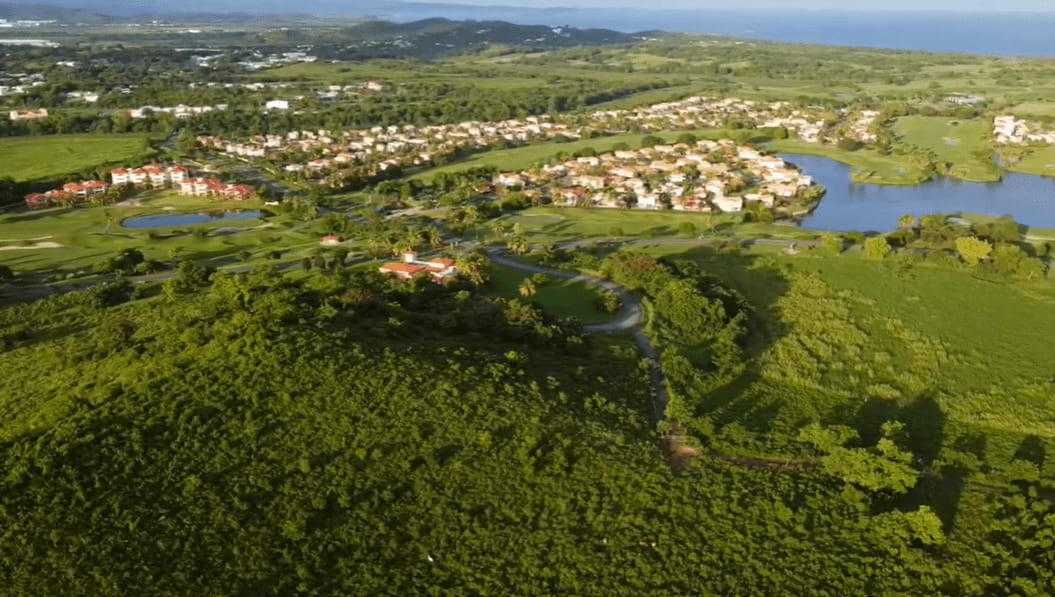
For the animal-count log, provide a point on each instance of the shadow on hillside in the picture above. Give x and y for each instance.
(942, 479)
(1032, 450)
(763, 283)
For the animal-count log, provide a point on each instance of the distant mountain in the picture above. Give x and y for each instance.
(396, 10)
(47, 12)
(440, 31)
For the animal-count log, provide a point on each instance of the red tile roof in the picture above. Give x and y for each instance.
(402, 268)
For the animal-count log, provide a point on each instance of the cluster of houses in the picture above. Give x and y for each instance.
(153, 176)
(408, 146)
(19, 83)
(1013, 131)
(180, 111)
(385, 147)
(179, 178)
(708, 112)
(75, 192)
(438, 268)
(861, 126)
(707, 176)
(257, 60)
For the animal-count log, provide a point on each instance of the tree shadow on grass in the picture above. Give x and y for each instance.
(942, 479)
(744, 399)
(1032, 450)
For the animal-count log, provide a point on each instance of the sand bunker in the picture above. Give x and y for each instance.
(43, 245)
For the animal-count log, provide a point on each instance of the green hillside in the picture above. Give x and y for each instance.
(347, 435)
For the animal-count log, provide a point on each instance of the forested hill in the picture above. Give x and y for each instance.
(345, 435)
(44, 12)
(461, 33)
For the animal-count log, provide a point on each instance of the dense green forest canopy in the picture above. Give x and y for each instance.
(251, 435)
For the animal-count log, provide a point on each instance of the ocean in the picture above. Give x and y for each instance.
(1002, 34)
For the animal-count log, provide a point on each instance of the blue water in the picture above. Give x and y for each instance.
(992, 33)
(850, 206)
(175, 220)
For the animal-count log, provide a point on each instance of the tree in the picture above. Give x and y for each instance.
(474, 267)
(609, 302)
(932, 221)
(517, 244)
(907, 221)
(687, 138)
(186, 141)
(831, 243)
(877, 247)
(884, 468)
(973, 250)
(527, 288)
(540, 279)
(650, 141)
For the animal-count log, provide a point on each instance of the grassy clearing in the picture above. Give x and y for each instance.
(551, 224)
(1040, 161)
(33, 158)
(561, 297)
(868, 166)
(81, 235)
(1034, 108)
(858, 342)
(963, 143)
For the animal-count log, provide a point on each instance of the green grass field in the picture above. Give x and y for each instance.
(963, 143)
(868, 166)
(35, 158)
(1034, 108)
(870, 341)
(561, 297)
(71, 239)
(1040, 161)
(551, 224)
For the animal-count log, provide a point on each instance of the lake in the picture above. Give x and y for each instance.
(176, 220)
(847, 205)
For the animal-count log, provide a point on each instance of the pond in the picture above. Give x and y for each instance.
(176, 220)
(847, 205)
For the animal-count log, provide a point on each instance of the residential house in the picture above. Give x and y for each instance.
(728, 204)
(29, 114)
(509, 179)
(438, 268)
(37, 201)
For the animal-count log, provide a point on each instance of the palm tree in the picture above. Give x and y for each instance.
(500, 229)
(474, 266)
(434, 238)
(518, 245)
(527, 288)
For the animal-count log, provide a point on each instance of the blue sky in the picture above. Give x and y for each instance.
(950, 5)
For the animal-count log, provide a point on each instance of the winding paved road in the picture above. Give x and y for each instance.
(630, 318)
